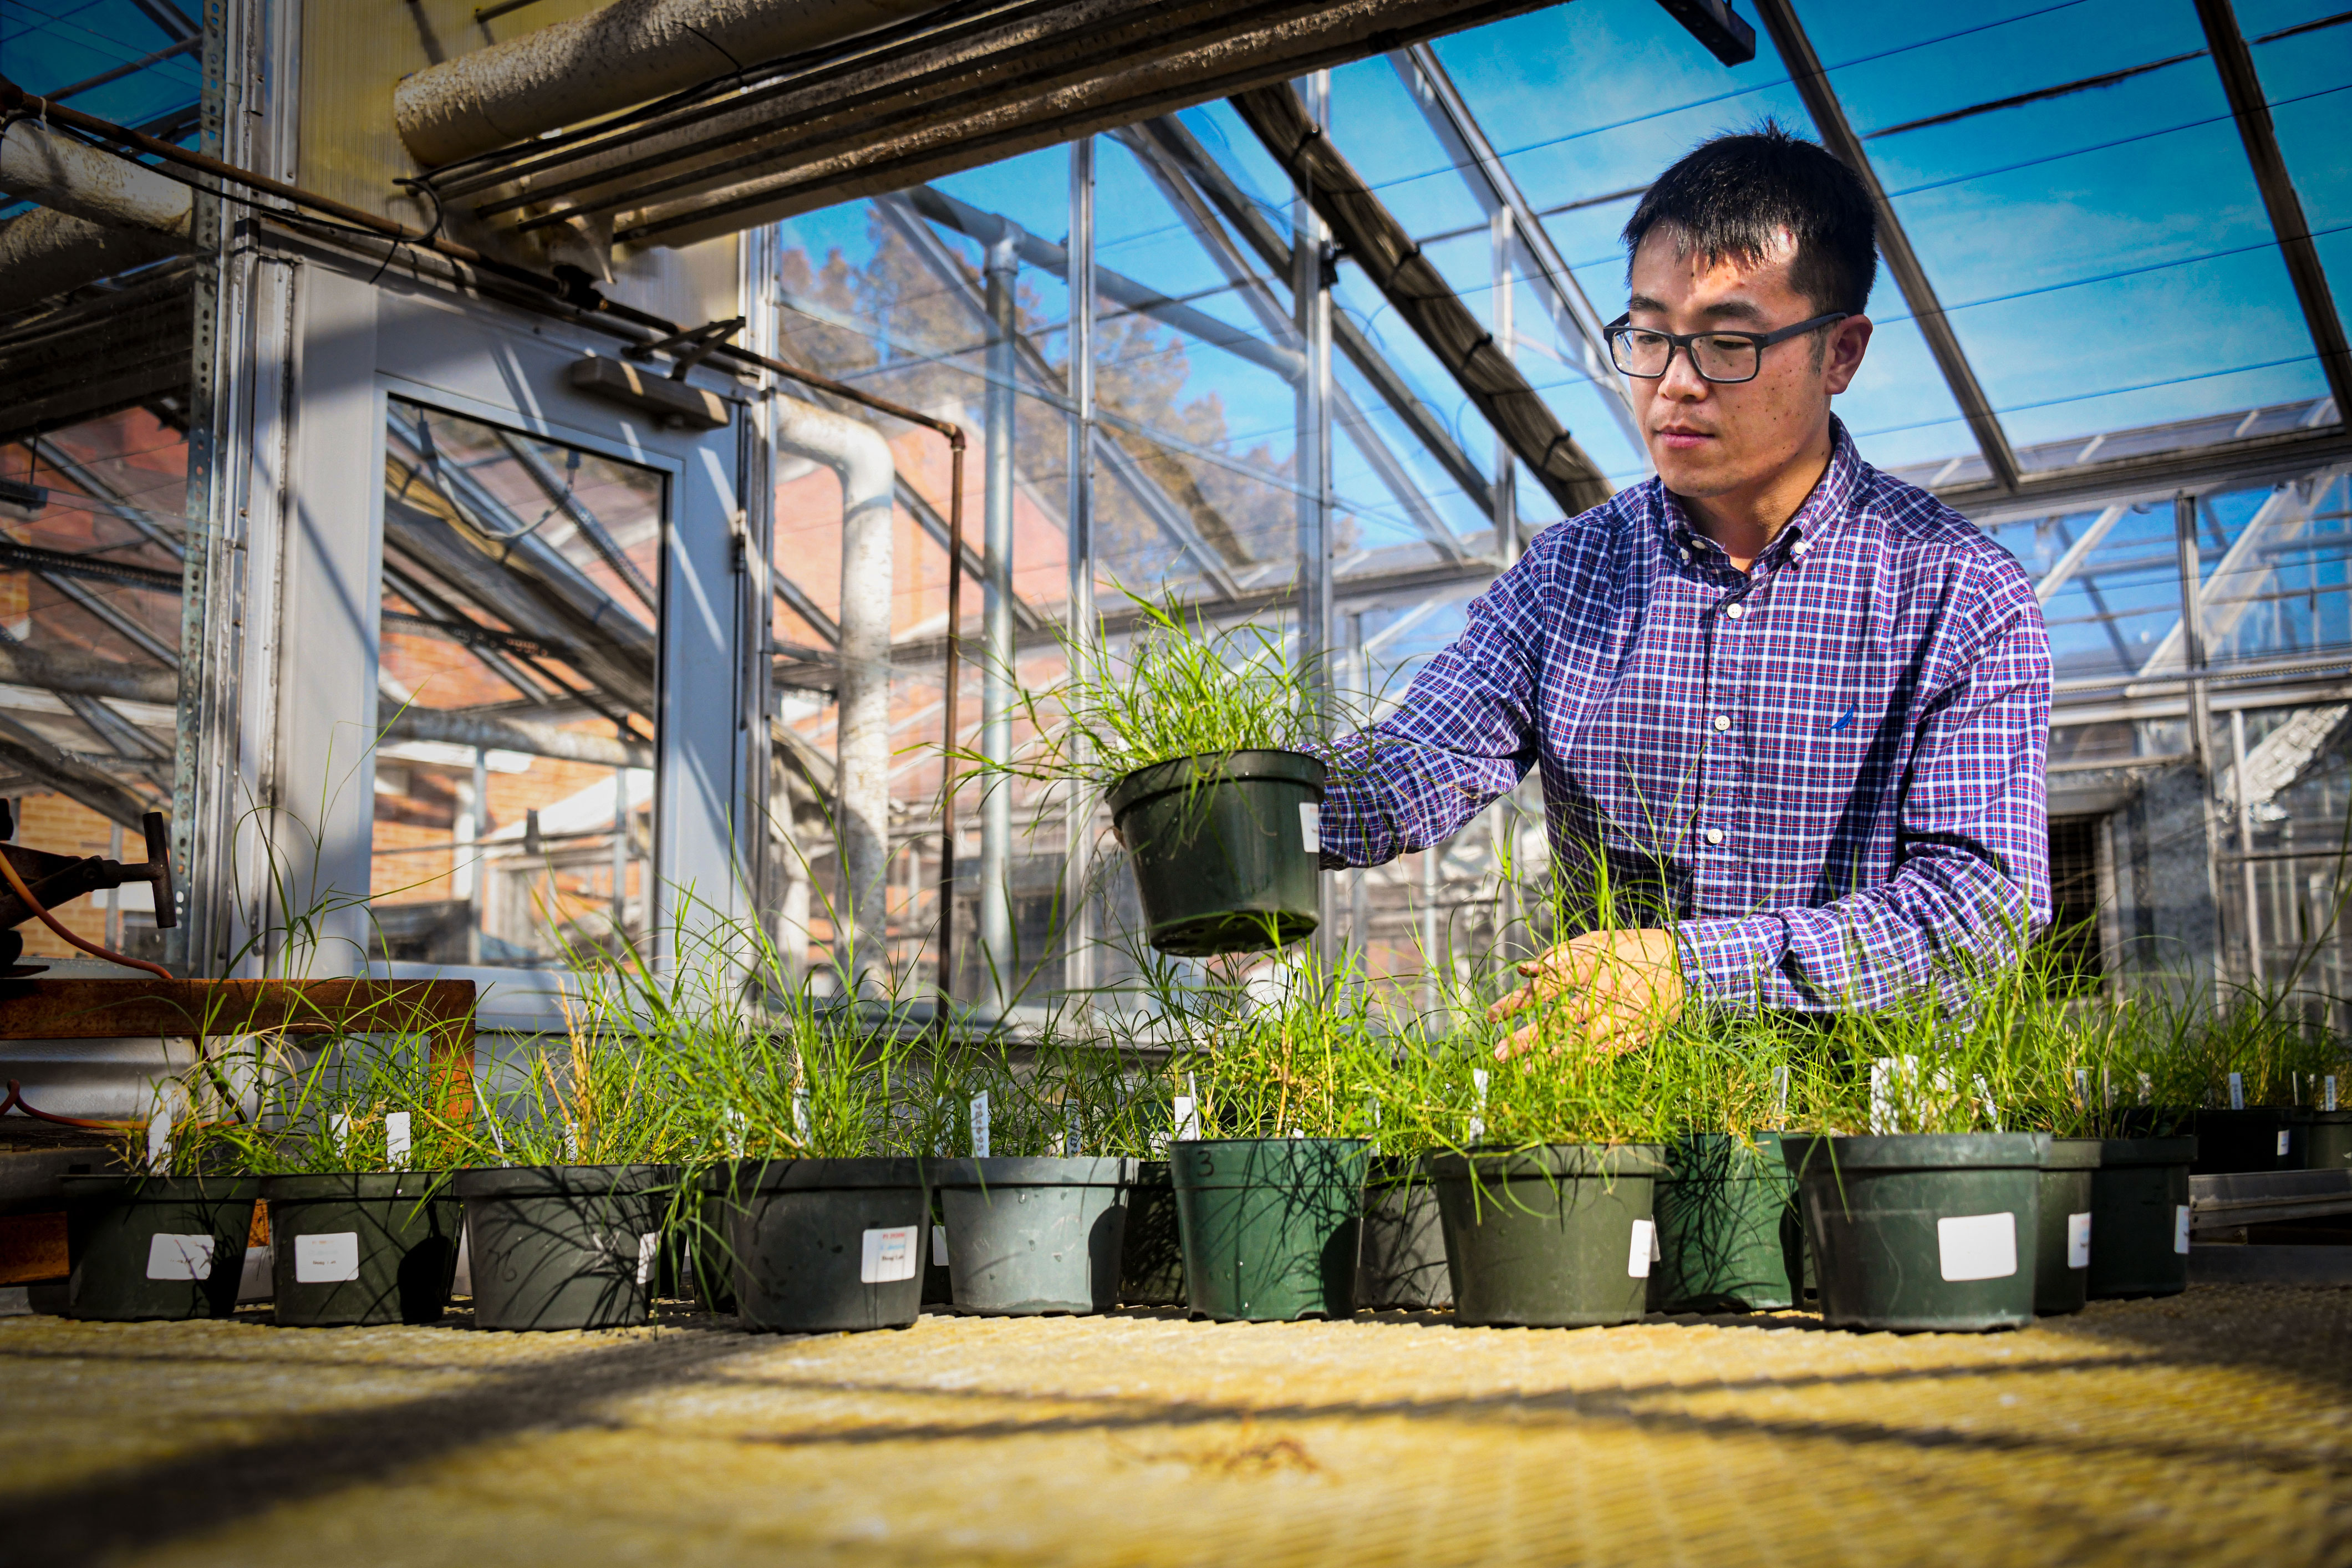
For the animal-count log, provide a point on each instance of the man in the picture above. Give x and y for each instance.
(1794, 711)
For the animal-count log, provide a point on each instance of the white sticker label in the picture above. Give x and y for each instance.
(2180, 1228)
(396, 1140)
(1310, 826)
(648, 1255)
(2078, 1241)
(979, 1129)
(2237, 1091)
(179, 1257)
(2286, 1139)
(328, 1259)
(2330, 1083)
(1977, 1246)
(1188, 1119)
(1644, 1248)
(889, 1256)
(158, 1142)
(939, 1246)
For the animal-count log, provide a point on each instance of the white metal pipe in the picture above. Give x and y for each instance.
(1078, 901)
(861, 457)
(1002, 265)
(630, 52)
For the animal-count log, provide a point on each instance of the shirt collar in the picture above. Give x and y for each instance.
(1832, 502)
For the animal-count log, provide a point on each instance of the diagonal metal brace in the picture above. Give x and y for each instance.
(688, 347)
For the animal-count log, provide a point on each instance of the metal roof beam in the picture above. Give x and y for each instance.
(1813, 84)
(2235, 63)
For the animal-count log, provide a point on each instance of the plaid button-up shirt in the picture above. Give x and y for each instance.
(1824, 773)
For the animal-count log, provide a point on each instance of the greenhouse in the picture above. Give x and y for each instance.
(984, 780)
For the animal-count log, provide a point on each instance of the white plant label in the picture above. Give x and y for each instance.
(1477, 1130)
(338, 1130)
(1187, 1111)
(396, 1134)
(889, 1256)
(1977, 1246)
(179, 1257)
(2082, 1087)
(2286, 1139)
(330, 1259)
(1881, 1097)
(1478, 1116)
(572, 1144)
(2328, 1087)
(735, 1125)
(649, 1254)
(2180, 1228)
(801, 1111)
(1310, 826)
(2237, 1091)
(1780, 1095)
(1070, 1145)
(1644, 1248)
(939, 1246)
(159, 1139)
(979, 1129)
(2078, 1241)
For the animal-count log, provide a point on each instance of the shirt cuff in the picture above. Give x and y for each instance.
(1730, 961)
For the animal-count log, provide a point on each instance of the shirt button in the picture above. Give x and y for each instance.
(1686, 554)
(1715, 836)
(1735, 612)
(1722, 723)
(1799, 548)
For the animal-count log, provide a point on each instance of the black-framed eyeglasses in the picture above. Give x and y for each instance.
(1718, 356)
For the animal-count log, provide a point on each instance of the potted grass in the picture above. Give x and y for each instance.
(354, 1152)
(166, 1238)
(1036, 1207)
(2139, 1189)
(1729, 1239)
(564, 1213)
(1400, 1261)
(1270, 1196)
(1196, 739)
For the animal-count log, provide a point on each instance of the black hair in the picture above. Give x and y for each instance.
(1732, 197)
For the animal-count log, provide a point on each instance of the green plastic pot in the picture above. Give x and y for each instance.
(1558, 1237)
(2068, 1234)
(2259, 1138)
(1151, 1251)
(1402, 1263)
(2140, 1218)
(1226, 850)
(564, 1247)
(826, 1245)
(1728, 1237)
(1922, 1230)
(142, 1248)
(2328, 1142)
(1270, 1225)
(1028, 1237)
(355, 1246)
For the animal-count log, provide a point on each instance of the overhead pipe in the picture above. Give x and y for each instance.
(587, 302)
(631, 52)
(1000, 269)
(100, 215)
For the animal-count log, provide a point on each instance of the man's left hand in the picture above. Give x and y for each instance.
(1619, 988)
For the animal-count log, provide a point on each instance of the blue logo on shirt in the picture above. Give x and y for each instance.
(1843, 720)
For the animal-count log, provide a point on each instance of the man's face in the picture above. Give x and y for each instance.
(1709, 438)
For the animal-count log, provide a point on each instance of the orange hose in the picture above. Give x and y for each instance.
(17, 885)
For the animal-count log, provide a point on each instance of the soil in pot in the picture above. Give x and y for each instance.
(827, 1245)
(1270, 1225)
(2068, 1232)
(1226, 849)
(2259, 1138)
(146, 1247)
(351, 1246)
(1033, 1236)
(1558, 1236)
(1402, 1263)
(2140, 1218)
(1151, 1251)
(2328, 1142)
(1728, 1237)
(1922, 1231)
(564, 1247)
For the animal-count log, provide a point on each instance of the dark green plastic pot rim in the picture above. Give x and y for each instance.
(1818, 1154)
(331, 1185)
(1212, 768)
(1550, 1160)
(2119, 1152)
(2073, 1154)
(143, 1189)
(745, 1177)
(561, 1181)
(1034, 1171)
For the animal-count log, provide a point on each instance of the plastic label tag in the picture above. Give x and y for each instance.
(339, 1128)
(2285, 1141)
(1310, 826)
(979, 1129)
(649, 1254)
(1188, 1119)
(159, 1140)
(1977, 1246)
(397, 1127)
(2078, 1241)
(889, 1256)
(2237, 1091)
(179, 1257)
(939, 1246)
(1644, 1248)
(2180, 1228)
(2330, 1083)
(330, 1259)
